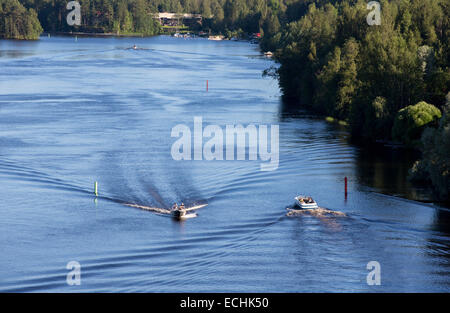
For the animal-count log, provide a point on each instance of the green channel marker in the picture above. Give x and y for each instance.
(96, 189)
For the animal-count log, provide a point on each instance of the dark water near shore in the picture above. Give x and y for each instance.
(72, 113)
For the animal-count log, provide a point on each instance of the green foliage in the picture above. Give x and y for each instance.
(136, 16)
(333, 62)
(410, 121)
(379, 79)
(435, 163)
(377, 120)
(16, 22)
(337, 80)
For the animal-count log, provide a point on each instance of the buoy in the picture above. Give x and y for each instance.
(345, 186)
(96, 189)
(206, 85)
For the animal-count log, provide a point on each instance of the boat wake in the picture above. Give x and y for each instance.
(161, 210)
(319, 212)
(329, 218)
(148, 208)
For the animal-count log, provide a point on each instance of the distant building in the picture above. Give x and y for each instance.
(176, 19)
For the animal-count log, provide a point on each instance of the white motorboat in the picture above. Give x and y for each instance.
(305, 202)
(178, 212)
(216, 38)
(182, 213)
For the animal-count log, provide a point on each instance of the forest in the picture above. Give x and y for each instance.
(18, 22)
(128, 17)
(387, 82)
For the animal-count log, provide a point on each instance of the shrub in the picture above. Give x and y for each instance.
(410, 122)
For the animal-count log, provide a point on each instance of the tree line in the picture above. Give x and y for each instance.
(228, 17)
(387, 82)
(18, 22)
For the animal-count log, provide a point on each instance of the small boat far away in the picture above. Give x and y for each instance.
(216, 38)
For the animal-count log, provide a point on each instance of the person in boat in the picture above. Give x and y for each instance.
(182, 209)
(178, 210)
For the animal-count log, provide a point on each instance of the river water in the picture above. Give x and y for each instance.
(73, 112)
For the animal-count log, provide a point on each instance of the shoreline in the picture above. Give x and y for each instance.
(94, 35)
(134, 35)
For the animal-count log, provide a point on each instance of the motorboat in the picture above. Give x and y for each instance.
(306, 202)
(216, 38)
(183, 214)
(179, 212)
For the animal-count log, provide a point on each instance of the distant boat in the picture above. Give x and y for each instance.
(306, 202)
(268, 54)
(216, 37)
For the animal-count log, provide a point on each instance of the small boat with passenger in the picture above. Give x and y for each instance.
(180, 212)
(306, 202)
